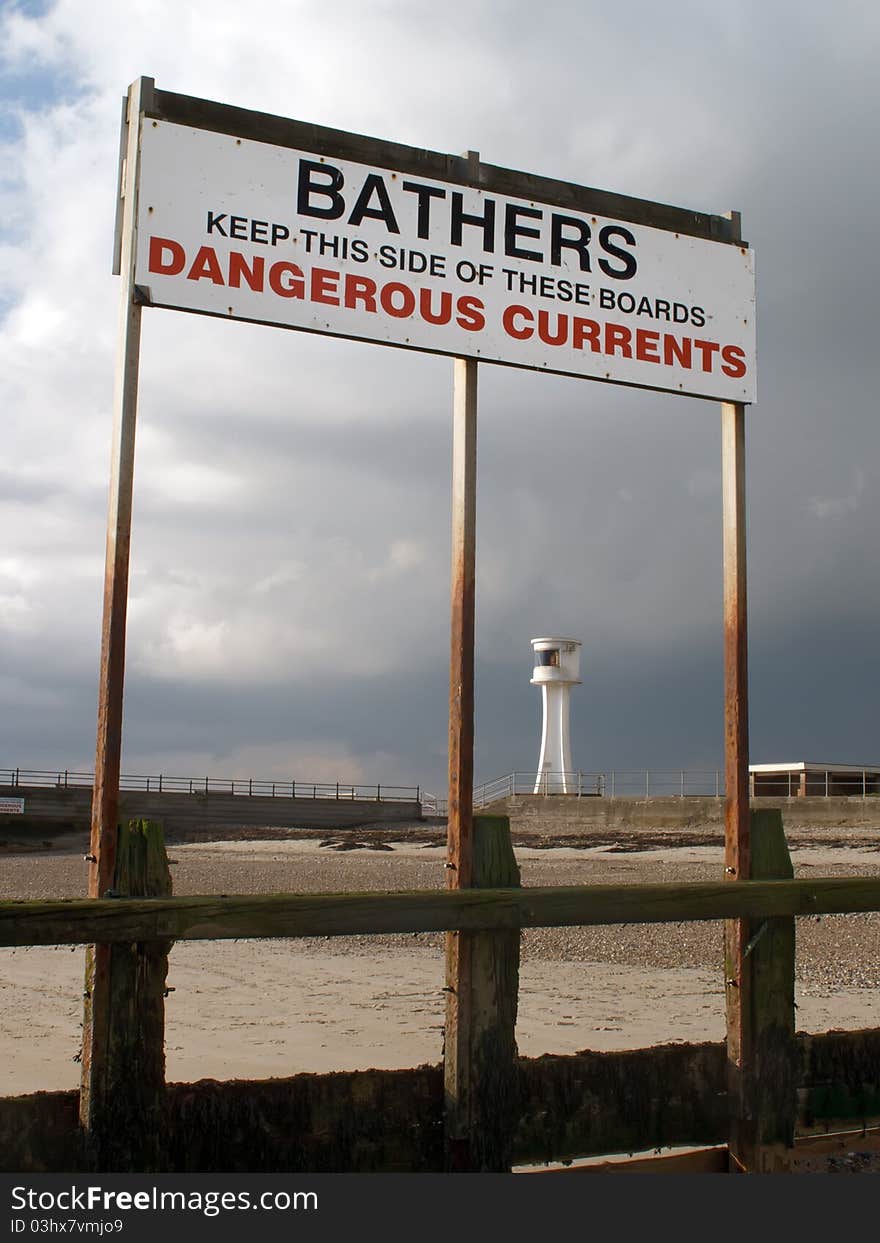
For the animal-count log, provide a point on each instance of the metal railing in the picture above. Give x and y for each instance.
(247, 787)
(817, 783)
(664, 783)
(579, 784)
(667, 783)
(626, 783)
(632, 784)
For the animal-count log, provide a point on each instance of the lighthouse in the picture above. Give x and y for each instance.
(557, 665)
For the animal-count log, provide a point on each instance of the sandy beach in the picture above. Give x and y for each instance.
(253, 1009)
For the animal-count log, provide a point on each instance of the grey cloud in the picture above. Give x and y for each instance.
(599, 508)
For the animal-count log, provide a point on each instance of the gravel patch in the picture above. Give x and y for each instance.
(833, 951)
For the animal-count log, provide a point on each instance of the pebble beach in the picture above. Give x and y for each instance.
(278, 1007)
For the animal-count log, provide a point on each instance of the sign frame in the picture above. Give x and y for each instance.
(144, 103)
(619, 362)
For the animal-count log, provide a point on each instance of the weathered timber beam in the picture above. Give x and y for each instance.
(589, 1103)
(575, 1105)
(479, 1040)
(763, 1085)
(122, 1097)
(340, 144)
(839, 1078)
(84, 921)
(701, 1161)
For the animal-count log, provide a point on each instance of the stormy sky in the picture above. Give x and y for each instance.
(289, 608)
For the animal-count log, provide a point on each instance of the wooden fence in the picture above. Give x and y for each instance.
(485, 1108)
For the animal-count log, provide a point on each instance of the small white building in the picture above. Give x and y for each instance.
(556, 671)
(807, 778)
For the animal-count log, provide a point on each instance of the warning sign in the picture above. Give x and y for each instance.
(247, 230)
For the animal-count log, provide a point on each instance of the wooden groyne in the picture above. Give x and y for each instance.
(485, 1108)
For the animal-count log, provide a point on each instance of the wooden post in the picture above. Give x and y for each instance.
(460, 960)
(737, 861)
(763, 1129)
(105, 796)
(122, 1100)
(737, 842)
(773, 1039)
(108, 749)
(461, 664)
(480, 1036)
(460, 956)
(736, 688)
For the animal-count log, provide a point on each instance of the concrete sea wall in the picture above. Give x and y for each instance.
(51, 808)
(58, 807)
(562, 814)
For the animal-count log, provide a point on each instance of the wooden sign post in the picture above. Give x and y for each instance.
(111, 678)
(737, 829)
(460, 1001)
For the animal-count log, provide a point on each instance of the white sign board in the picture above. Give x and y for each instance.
(11, 806)
(239, 228)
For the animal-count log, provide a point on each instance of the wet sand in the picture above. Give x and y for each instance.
(265, 1008)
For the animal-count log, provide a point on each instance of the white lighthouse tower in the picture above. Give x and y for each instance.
(557, 665)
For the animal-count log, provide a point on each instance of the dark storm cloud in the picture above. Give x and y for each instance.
(291, 541)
